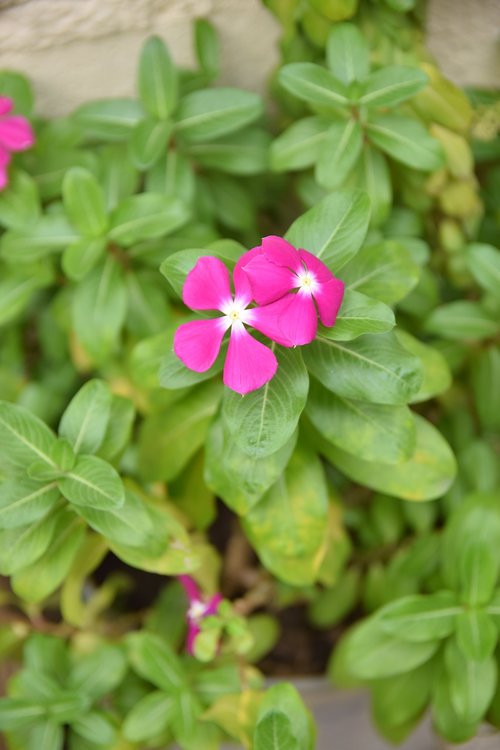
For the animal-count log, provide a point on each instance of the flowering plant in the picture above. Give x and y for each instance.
(168, 534)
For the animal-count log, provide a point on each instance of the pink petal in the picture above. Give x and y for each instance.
(249, 364)
(213, 605)
(242, 288)
(193, 631)
(6, 105)
(207, 285)
(197, 343)
(4, 163)
(280, 252)
(298, 319)
(16, 133)
(266, 320)
(190, 587)
(5, 157)
(329, 298)
(314, 264)
(268, 281)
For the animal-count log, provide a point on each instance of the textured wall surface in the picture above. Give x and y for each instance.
(75, 50)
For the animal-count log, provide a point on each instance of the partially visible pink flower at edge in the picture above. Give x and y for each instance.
(249, 364)
(198, 608)
(275, 270)
(16, 134)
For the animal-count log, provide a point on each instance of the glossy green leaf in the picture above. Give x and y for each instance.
(241, 153)
(483, 262)
(437, 375)
(206, 45)
(16, 713)
(332, 604)
(360, 314)
(261, 422)
(405, 140)
(472, 683)
(462, 320)
(447, 721)
(95, 726)
(485, 374)
(313, 84)
(384, 270)
(372, 432)
(274, 732)
(211, 113)
(299, 145)
(148, 310)
(426, 475)
(372, 368)
(476, 634)
(154, 660)
(421, 618)
(149, 140)
(82, 256)
(338, 153)
(19, 548)
(92, 482)
(84, 202)
(149, 718)
(285, 698)
(157, 81)
(24, 438)
(478, 572)
(51, 234)
(117, 176)
(334, 228)
(85, 419)
(110, 119)
(146, 216)
(392, 85)
(98, 672)
(373, 176)
(19, 201)
(347, 53)
(17, 291)
(18, 88)
(239, 479)
(23, 501)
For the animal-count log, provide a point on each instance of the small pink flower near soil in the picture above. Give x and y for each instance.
(199, 608)
(16, 134)
(294, 286)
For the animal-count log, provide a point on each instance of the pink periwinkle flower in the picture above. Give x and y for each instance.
(16, 134)
(249, 364)
(198, 608)
(294, 286)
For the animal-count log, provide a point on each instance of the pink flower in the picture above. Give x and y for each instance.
(275, 270)
(198, 609)
(249, 364)
(16, 134)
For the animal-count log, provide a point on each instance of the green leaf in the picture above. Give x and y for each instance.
(286, 699)
(21, 547)
(206, 44)
(476, 634)
(19, 201)
(338, 153)
(472, 683)
(158, 79)
(149, 718)
(334, 228)
(117, 175)
(174, 176)
(314, 85)
(274, 732)
(92, 482)
(239, 479)
(177, 266)
(37, 581)
(372, 432)
(298, 147)
(462, 320)
(23, 501)
(426, 475)
(81, 257)
(146, 216)
(99, 672)
(437, 375)
(332, 604)
(262, 422)
(211, 113)
(16, 292)
(48, 735)
(384, 270)
(99, 308)
(66, 705)
(445, 718)
(17, 713)
(168, 439)
(46, 655)
(400, 699)
(290, 519)
(18, 88)
(86, 417)
(483, 261)
(392, 85)
(360, 314)
(148, 309)
(95, 726)
(149, 141)
(478, 571)
(51, 234)
(421, 618)
(372, 368)
(372, 175)
(119, 428)
(347, 53)
(84, 202)
(109, 119)
(372, 654)
(242, 153)
(155, 661)
(485, 374)
(23, 438)
(405, 140)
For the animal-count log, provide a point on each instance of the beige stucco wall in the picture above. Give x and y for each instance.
(75, 50)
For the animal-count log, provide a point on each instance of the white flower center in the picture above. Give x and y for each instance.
(307, 281)
(234, 312)
(196, 610)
